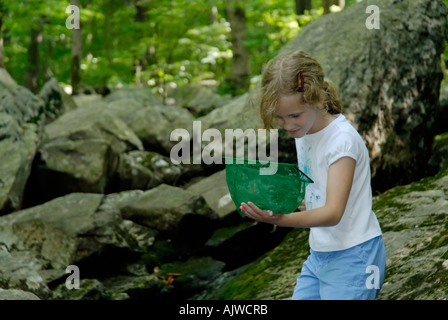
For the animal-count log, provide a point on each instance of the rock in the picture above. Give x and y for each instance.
(80, 228)
(442, 111)
(80, 154)
(89, 289)
(138, 287)
(89, 100)
(166, 208)
(149, 119)
(199, 100)
(215, 192)
(125, 108)
(21, 104)
(14, 294)
(439, 157)
(241, 244)
(237, 114)
(141, 95)
(55, 99)
(6, 79)
(180, 217)
(146, 115)
(389, 79)
(154, 124)
(414, 220)
(21, 127)
(17, 150)
(20, 270)
(241, 116)
(93, 123)
(52, 229)
(145, 170)
(119, 287)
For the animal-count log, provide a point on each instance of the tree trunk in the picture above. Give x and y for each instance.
(75, 72)
(142, 16)
(2, 52)
(328, 3)
(32, 73)
(302, 5)
(240, 72)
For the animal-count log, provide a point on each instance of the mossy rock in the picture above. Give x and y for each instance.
(414, 220)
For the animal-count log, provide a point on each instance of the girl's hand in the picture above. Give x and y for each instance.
(302, 206)
(253, 212)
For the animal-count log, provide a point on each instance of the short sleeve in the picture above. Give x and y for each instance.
(342, 145)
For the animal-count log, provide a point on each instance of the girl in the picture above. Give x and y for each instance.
(347, 256)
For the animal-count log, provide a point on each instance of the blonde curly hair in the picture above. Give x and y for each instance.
(280, 78)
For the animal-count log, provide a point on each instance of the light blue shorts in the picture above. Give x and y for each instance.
(356, 273)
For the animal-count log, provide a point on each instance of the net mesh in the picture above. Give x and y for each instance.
(281, 192)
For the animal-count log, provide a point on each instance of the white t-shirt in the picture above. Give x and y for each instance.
(315, 153)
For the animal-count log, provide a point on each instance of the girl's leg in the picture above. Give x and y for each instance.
(356, 273)
(307, 286)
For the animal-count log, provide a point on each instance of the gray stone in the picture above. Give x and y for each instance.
(56, 100)
(21, 127)
(215, 192)
(154, 125)
(164, 207)
(15, 294)
(80, 153)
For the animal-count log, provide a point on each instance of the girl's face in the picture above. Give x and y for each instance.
(296, 117)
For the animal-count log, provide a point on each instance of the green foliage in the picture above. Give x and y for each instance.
(146, 42)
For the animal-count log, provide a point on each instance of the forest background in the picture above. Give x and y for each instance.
(154, 44)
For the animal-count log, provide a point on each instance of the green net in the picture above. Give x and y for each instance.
(282, 192)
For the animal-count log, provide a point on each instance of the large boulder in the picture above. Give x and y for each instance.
(56, 100)
(14, 294)
(80, 153)
(389, 78)
(237, 122)
(154, 125)
(145, 170)
(143, 96)
(151, 120)
(198, 99)
(21, 128)
(37, 244)
(169, 209)
(216, 193)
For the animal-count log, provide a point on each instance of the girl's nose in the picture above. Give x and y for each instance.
(288, 125)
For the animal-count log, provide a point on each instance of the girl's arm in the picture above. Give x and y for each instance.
(339, 184)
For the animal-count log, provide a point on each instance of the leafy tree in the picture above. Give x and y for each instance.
(150, 43)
